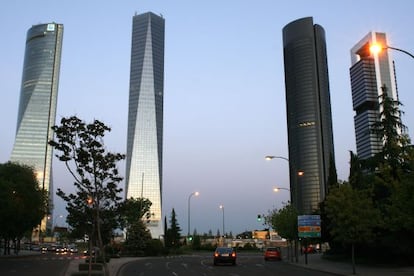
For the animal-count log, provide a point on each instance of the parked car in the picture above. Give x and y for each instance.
(309, 250)
(60, 249)
(73, 249)
(273, 253)
(224, 255)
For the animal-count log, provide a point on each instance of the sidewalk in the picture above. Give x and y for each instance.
(317, 262)
(22, 253)
(113, 266)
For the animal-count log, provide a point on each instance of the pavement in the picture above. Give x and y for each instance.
(315, 262)
(318, 263)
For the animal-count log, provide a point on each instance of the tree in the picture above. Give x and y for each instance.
(173, 233)
(80, 146)
(285, 222)
(133, 209)
(352, 215)
(392, 131)
(22, 203)
(196, 242)
(138, 238)
(133, 212)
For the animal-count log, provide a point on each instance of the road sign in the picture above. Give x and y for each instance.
(309, 226)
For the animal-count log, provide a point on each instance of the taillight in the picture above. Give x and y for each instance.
(216, 254)
(233, 254)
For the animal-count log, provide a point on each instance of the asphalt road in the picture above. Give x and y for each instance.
(35, 265)
(247, 265)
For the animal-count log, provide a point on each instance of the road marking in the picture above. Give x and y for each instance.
(175, 274)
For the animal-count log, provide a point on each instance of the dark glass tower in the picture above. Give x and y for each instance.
(145, 116)
(309, 119)
(369, 72)
(37, 107)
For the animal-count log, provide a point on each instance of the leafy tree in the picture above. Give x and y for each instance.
(80, 146)
(400, 218)
(173, 233)
(353, 216)
(196, 243)
(133, 211)
(138, 238)
(22, 203)
(284, 221)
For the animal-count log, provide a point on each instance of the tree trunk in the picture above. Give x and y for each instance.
(353, 259)
(100, 243)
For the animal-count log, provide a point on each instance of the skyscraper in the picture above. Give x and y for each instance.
(37, 107)
(145, 116)
(369, 72)
(309, 119)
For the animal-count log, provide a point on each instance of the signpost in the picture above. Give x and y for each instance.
(309, 226)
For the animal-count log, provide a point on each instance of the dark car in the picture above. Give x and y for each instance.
(272, 253)
(224, 255)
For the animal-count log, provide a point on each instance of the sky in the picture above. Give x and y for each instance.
(224, 103)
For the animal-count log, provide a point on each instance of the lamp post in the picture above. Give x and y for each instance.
(222, 208)
(277, 189)
(270, 157)
(189, 197)
(376, 48)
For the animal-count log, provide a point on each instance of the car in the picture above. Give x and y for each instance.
(73, 249)
(309, 250)
(60, 249)
(273, 253)
(225, 255)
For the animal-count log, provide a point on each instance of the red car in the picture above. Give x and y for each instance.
(273, 253)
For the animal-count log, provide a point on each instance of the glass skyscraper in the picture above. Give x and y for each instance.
(309, 119)
(369, 72)
(37, 107)
(145, 116)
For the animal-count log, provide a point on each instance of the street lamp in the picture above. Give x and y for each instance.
(270, 157)
(277, 189)
(222, 208)
(189, 197)
(376, 48)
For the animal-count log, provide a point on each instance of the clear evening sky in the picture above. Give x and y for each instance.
(224, 89)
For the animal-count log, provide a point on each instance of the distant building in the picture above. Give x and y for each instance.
(309, 119)
(37, 107)
(369, 72)
(145, 116)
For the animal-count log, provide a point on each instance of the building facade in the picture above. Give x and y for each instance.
(369, 72)
(145, 116)
(37, 107)
(308, 107)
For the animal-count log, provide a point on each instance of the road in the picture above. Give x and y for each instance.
(202, 264)
(35, 265)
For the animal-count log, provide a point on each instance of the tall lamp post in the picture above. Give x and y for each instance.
(189, 197)
(270, 157)
(376, 48)
(222, 208)
(277, 189)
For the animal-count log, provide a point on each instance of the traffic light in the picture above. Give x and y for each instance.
(190, 238)
(259, 218)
